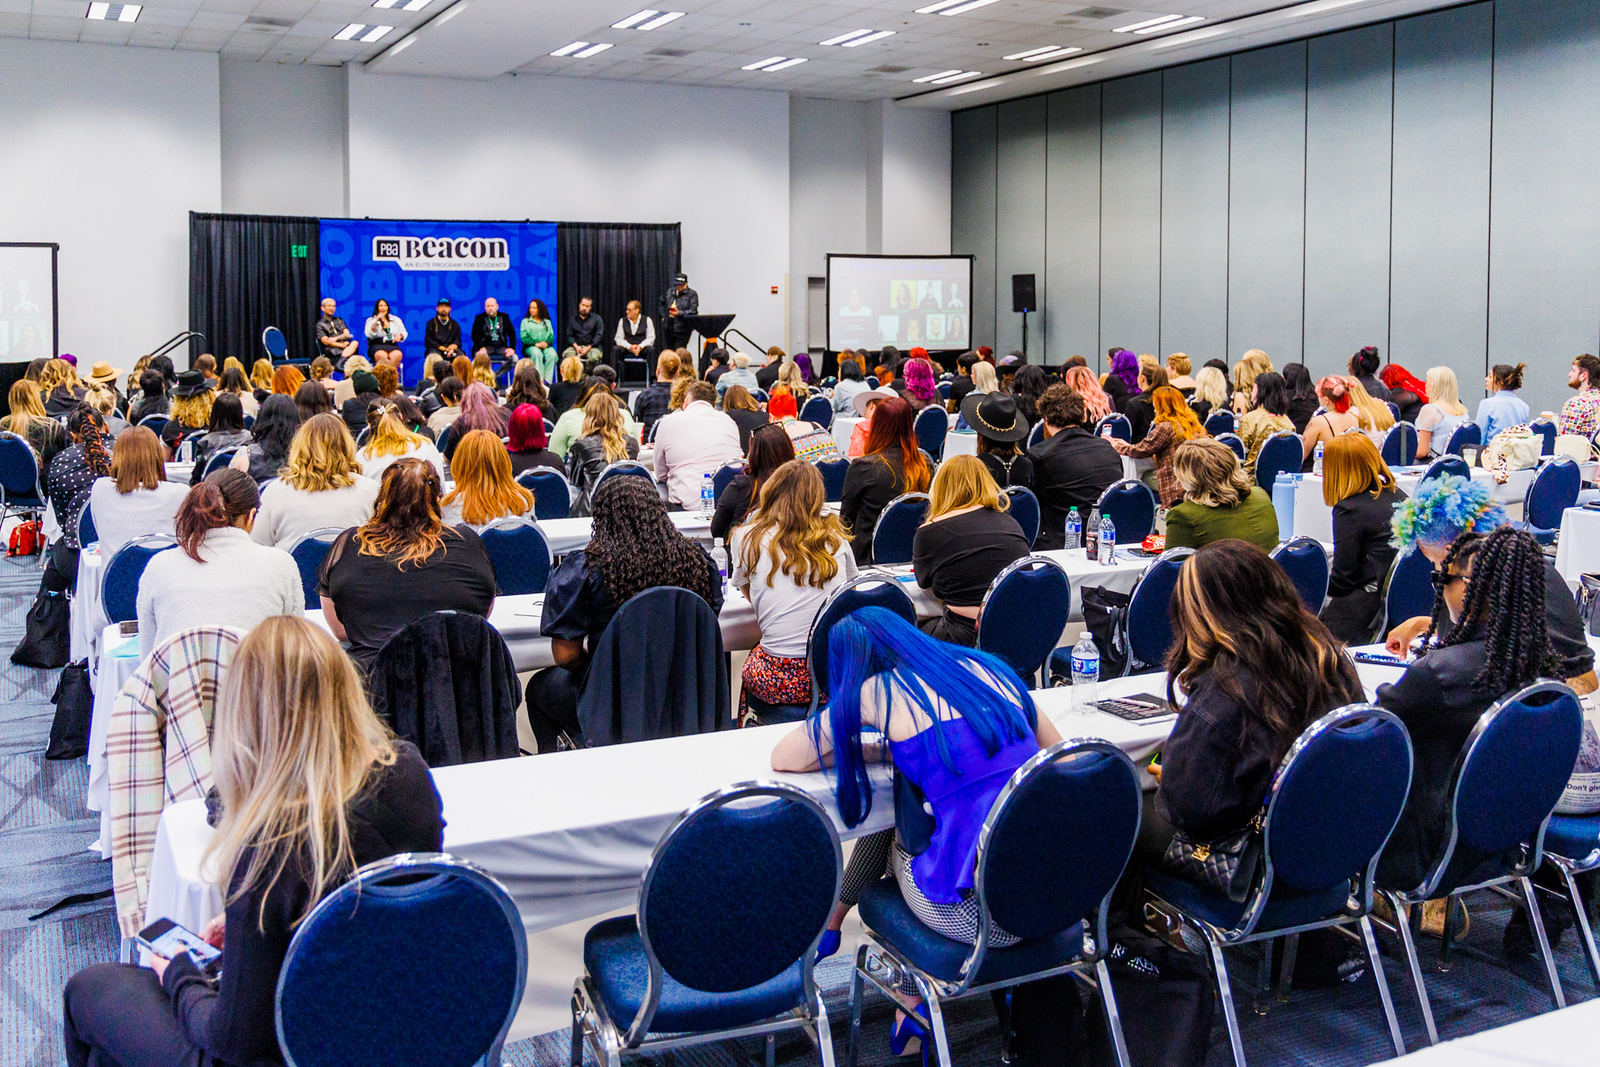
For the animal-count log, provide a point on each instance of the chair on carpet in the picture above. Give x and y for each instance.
(442, 957)
(1282, 453)
(1408, 590)
(1120, 427)
(1335, 799)
(119, 588)
(1448, 464)
(624, 468)
(1507, 780)
(21, 480)
(1025, 509)
(1035, 436)
(87, 534)
(897, 528)
(862, 591)
(275, 345)
(1132, 507)
(833, 472)
(1050, 852)
(1468, 433)
(446, 683)
(1572, 847)
(732, 906)
(309, 550)
(723, 475)
(819, 409)
(1305, 561)
(1553, 490)
(1023, 614)
(520, 554)
(930, 427)
(658, 671)
(1235, 442)
(1400, 445)
(1546, 430)
(552, 493)
(1220, 422)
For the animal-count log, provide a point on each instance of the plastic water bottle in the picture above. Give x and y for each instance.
(1085, 672)
(1091, 535)
(1074, 529)
(708, 496)
(1107, 547)
(1316, 463)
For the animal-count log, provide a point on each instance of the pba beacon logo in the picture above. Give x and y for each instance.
(443, 253)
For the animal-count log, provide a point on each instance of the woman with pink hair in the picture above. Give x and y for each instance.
(480, 410)
(921, 388)
(1082, 380)
(1335, 417)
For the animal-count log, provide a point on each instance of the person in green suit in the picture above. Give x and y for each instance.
(539, 340)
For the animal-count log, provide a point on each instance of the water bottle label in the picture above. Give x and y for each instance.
(1085, 664)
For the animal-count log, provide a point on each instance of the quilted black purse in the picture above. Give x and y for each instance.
(1226, 864)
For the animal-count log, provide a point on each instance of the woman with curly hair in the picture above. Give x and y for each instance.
(1252, 365)
(320, 486)
(634, 547)
(485, 489)
(391, 441)
(1082, 381)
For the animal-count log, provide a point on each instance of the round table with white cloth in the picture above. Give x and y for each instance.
(1578, 550)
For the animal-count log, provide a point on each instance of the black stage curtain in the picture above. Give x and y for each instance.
(248, 272)
(613, 263)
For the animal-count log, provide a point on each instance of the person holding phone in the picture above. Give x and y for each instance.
(294, 735)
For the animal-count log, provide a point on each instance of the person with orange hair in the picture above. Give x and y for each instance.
(812, 443)
(1173, 423)
(287, 380)
(485, 489)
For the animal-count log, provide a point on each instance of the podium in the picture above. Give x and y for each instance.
(710, 328)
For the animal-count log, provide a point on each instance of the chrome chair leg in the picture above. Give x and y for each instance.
(1225, 992)
(1536, 920)
(1108, 1004)
(1291, 945)
(1576, 899)
(576, 1058)
(771, 1043)
(855, 1005)
(1403, 919)
(824, 1032)
(1445, 963)
(1263, 999)
(1376, 963)
(941, 1040)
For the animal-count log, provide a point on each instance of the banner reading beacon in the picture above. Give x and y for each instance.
(413, 264)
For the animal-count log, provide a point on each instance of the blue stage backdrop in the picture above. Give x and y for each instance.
(413, 264)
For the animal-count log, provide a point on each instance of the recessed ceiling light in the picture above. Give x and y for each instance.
(954, 7)
(960, 76)
(355, 30)
(869, 38)
(785, 65)
(1146, 24)
(114, 12)
(765, 63)
(648, 19)
(1035, 55)
(407, 5)
(660, 20)
(931, 77)
(843, 37)
(568, 49)
(592, 50)
(1165, 26)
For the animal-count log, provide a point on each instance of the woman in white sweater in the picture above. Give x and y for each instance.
(391, 442)
(321, 486)
(217, 576)
(137, 499)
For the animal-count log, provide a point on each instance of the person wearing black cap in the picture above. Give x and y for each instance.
(999, 425)
(443, 334)
(680, 301)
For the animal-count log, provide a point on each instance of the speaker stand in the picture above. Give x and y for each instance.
(1024, 337)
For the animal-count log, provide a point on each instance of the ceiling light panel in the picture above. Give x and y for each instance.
(765, 63)
(1037, 55)
(954, 7)
(648, 19)
(592, 50)
(350, 31)
(869, 38)
(568, 49)
(957, 77)
(114, 12)
(1165, 26)
(843, 37)
(930, 77)
(785, 65)
(403, 5)
(1146, 24)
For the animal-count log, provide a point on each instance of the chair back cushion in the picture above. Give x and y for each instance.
(1121, 428)
(1035, 435)
(309, 551)
(1132, 507)
(625, 467)
(833, 472)
(521, 557)
(1336, 798)
(551, 496)
(1306, 563)
(931, 426)
(725, 474)
(1400, 445)
(738, 892)
(219, 460)
(119, 588)
(1281, 453)
(1025, 509)
(19, 468)
(1448, 464)
(1220, 422)
(447, 684)
(432, 963)
(1554, 490)
(1149, 625)
(273, 341)
(1059, 840)
(87, 534)
(818, 410)
(1516, 764)
(1468, 433)
(1024, 612)
(1409, 592)
(1235, 442)
(897, 528)
(865, 591)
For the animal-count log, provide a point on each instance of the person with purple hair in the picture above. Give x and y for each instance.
(480, 410)
(803, 361)
(919, 386)
(1123, 381)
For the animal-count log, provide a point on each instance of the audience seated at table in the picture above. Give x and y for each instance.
(62, 390)
(354, 410)
(527, 387)
(747, 415)
(1220, 502)
(104, 400)
(767, 376)
(812, 442)
(485, 488)
(770, 448)
(320, 487)
(1338, 416)
(1580, 413)
(1178, 367)
(890, 466)
(234, 383)
(1251, 366)
(71, 478)
(1502, 407)
(984, 380)
(293, 737)
(322, 374)
(449, 396)
(1441, 416)
(480, 410)
(527, 443)
(1173, 422)
(919, 386)
(1358, 486)
(851, 383)
(312, 399)
(390, 441)
(136, 499)
(1268, 415)
(570, 425)
(1071, 466)
(602, 440)
(191, 401)
(1406, 392)
(787, 559)
(261, 375)
(738, 373)
(225, 430)
(692, 443)
(44, 434)
(272, 434)
(287, 379)
(564, 393)
(1000, 429)
(957, 728)
(1210, 393)
(967, 539)
(634, 547)
(1376, 418)
(218, 576)
(152, 398)
(1364, 369)
(402, 564)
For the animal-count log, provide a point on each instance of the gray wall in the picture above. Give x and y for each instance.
(1426, 185)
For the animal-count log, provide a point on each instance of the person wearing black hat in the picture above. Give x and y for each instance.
(999, 425)
(191, 400)
(680, 301)
(443, 334)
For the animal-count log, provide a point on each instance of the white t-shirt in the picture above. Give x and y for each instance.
(287, 512)
(374, 466)
(785, 611)
(122, 517)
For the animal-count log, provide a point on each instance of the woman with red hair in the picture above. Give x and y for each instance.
(1336, 417)
(891, 466)
(1406, 391)
(529, 444)
(812, 443)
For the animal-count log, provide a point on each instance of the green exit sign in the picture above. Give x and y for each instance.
(297, 251)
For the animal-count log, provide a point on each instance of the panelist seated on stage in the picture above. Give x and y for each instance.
(494, 334)
(586, 333)
(333, 336)
(679, 302)
(385, 330)
(442, 336)
(635, 337)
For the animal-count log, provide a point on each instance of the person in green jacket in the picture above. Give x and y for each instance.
(1219, 499)
(539, 340)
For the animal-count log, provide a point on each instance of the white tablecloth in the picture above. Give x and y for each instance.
(843, 427)
(1314, 518)
(1578, 551)
(117, 659)
(1562, 1038)
(960, 443)
(569, 535)
(86, 616)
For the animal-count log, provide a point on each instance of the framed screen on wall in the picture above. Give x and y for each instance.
(28, 312)
(905, 301)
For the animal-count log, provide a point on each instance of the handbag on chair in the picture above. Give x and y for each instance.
(1226, 864)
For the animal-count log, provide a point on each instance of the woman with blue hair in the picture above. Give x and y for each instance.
(886, 675)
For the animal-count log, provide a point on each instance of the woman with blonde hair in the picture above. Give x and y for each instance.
(131, 384)
(789, 374)
(787, 559)
(390, 441)
(564, 392)
(1252, 365)
(984, 380)
(29, 422)
(62, 390)
(321, 486)
(483, 372)
(136, 499)
(1082, 381)
(1178, 367)
(261, 375)
(1220, 501)
(1358, 486)
(312, 787)
(485, 489)
(602, 441)
(967, 539)
(1442, 415)
(1210, 392)
(1374, 415)
(1172, 424)
(191, 401)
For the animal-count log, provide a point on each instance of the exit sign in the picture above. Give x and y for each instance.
(297, 251)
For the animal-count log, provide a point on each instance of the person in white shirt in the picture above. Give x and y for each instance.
(217, 576)
(385, 331)
(693, 442)
(321, 486)
(635, 339)
(391, 442)
(137, 500)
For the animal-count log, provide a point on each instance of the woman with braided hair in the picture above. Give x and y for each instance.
(634, 547)
(68, 482)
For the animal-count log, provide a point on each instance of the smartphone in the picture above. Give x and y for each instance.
(1384, 660)
(129, 628)
(166, 938)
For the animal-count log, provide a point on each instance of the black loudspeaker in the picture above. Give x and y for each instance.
(1022, 296)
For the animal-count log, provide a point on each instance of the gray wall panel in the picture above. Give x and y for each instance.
(1072, 226)
(1440, 246)
(1266, 226)
(1194, 211)
(1019, 207)
(1349, 108)
(1544, 237)
(1130, 213)
(972, 207)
